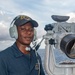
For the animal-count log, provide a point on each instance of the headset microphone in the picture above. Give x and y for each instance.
(27, 48)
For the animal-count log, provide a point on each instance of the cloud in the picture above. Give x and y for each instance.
(4, 33)
(8, 5)
(72, 17)
(40, 11)
(40, 32)
(5, 44)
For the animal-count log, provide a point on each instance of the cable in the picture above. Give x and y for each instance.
(36, 47)
(37, 61)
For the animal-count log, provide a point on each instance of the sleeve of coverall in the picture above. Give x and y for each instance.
(3, 70)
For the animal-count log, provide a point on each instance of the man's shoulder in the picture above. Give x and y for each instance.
(5, 52)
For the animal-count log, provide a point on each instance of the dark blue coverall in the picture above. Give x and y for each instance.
(14, 62)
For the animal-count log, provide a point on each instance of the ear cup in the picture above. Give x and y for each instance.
(35, 35)
(13, 32)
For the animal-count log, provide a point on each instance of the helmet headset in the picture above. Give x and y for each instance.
(20, 20)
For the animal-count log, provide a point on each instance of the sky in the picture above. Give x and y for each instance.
(39, 10)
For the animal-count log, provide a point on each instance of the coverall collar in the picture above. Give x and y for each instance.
(18, 53)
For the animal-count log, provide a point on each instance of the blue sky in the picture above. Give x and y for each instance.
(39, 10)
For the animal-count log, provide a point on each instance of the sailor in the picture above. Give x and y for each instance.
(20, 58)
